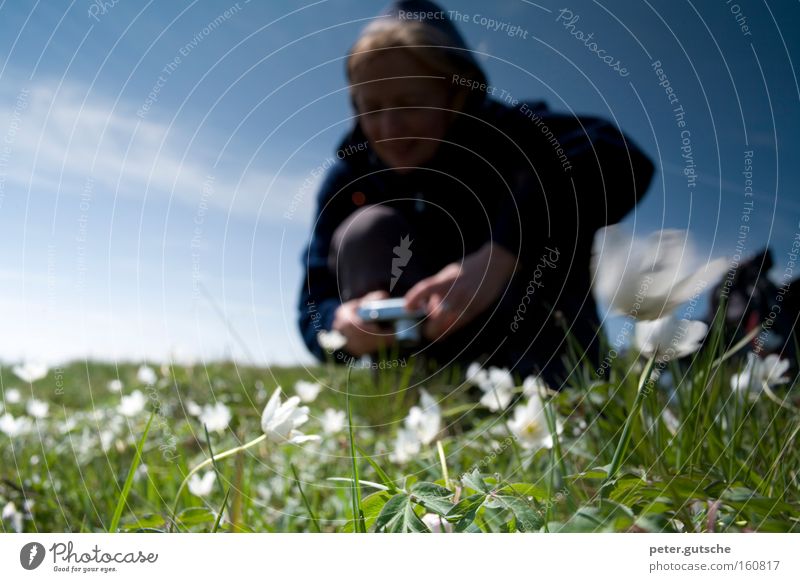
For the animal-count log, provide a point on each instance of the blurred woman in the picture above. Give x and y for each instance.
(479, 213)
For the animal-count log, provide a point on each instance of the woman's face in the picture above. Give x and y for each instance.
(403, 114)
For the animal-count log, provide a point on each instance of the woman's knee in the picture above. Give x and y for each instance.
(371, 225)
(362, 249)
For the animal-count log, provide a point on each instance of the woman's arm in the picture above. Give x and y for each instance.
(320, 306)
(461, 291)
(319, 297)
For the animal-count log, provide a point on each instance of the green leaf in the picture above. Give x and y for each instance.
(434, 497)
(466, 505)
(595, 473)
(149, 521)
(607, 516)
(427, 489)
(627, 489)
(390, 510)
(659, 506)
(463, 512)
(527, 517)
(372, 505)
(687, 487)
(654, 523)
(398, 516)
(473, 480)
(745, 499)
(196, 516)
(525, 489)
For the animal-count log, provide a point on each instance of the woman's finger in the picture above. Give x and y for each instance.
(441, 324)
(418, 296)
(370, 328)
(375, 295)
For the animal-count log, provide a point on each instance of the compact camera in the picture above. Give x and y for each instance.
(393, 312)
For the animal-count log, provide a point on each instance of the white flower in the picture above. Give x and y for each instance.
(307, 391)
(757, 372)
(475, 373)
(333, 421)
(501, 378)
(669, 337)
(671, 421)
(648, 278)
(106, 439)
(261, 392)
(202, 486)
(497, 384)
(425, 421)
(422, 425)
(140, 473)
(529, 425)
(264, 493)
(216, 417)
(280, 421)
(406, 446)
(330, 341)
(68, 425)
(435, 523)
(13, 396)
(533, 386)
(14, 427)
(193, 408)
(497, 399)
(37, 408)
(774, 369)
(115, 385)
(146, 375)
(30, 371)
(14, 517)
(133, 404)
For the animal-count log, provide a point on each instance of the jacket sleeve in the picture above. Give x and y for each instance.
(610, 173)
(587, 174)
(319, 297)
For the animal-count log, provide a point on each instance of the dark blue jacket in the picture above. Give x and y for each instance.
(520, 175)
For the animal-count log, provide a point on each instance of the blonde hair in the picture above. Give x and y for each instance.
(426, 44)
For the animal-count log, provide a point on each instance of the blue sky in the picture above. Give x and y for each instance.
(149, 148)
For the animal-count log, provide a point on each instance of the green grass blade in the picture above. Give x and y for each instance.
(358, 513)
(126, 488)
(219, 480)
(390, 486)
(221, 511)
(314, 520)
(443, 463)
(213, 459)
(622, 446)
(371, 484)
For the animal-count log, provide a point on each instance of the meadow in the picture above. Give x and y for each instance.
(704, 443)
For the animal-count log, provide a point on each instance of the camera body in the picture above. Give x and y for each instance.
(393, 312)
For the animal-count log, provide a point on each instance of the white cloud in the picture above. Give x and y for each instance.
(59, 143)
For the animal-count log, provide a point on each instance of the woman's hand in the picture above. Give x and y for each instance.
(461, 291)
(363, 337)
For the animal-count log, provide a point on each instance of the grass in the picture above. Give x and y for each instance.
(126, 488)
(686, 455)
